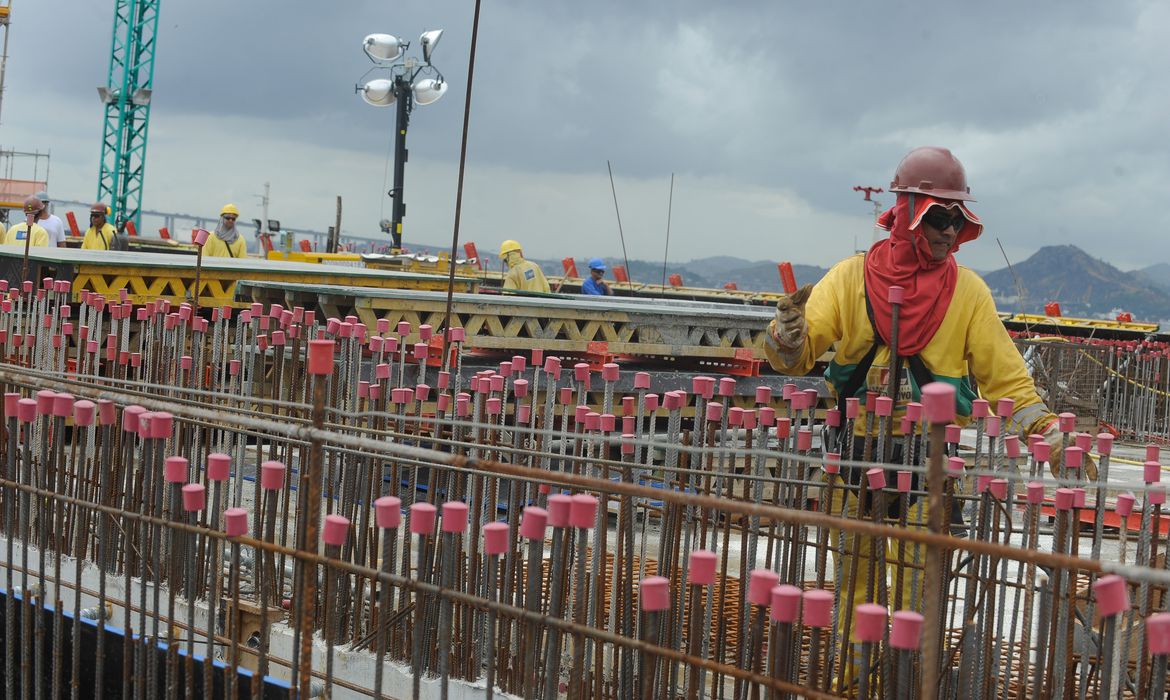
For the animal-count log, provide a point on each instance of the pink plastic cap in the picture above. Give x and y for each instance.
(235, 522)
(852, 406)
(11, 399)
(83, 412)
(871, 622)
(1125, 504)
(914, 411)
(991, 426)
(523, 411)
(422, 519)
(520, 388)
(760, 584)
(905, 480)
(421, 392)
(519, 364)
(749, 419)
(581, 371)
(895, 294)
(552, 365)
(218, 466)
(804, 439)
(999, 489)
(496, 382)
(1084, 441)
(607, 422)
(641, 380)
(714, 412)
(610, 372)
(456, 334)
(980, 408)
(533, 523)
(444, 381)
(130, 418)
(1152, 472)
(906, 630)
(495, 538)
(336, 528)
(870, 399)
(1041, 451)
(907, 425)
(592, 420)
(1064, 499)
(1035, 492)
(1111, 594)
(938, 402)
(833, 418)
(982, 482)
(272, 475)
(1005, 407)
(884, 406)
(787, 391)
(583, 513)
(320, 357)
(389, 512)
(194, 497)
(1152, 453)
(45, 402)
(702, 568)
(454, 516)
(785, 603)
(1073, 457)
(783, 427)
(559, 505)
(1158, 634)
(1011, 445)
(655, 594)
(363, 390)
(1067, 422)
(818, 608)
(876, 479)
(1156, 495)
(1104, 443)
(726, 386)
(1078, 498)
(420, 351)
(175, 469)
(832, 463)
(651, 403)
(955, 466)
(735, 417)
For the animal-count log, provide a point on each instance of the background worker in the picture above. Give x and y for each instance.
(101, 234)
(225, 241)
(18, 232)
(948, 331)
(524, 275)
(596, 282)
(51, 222)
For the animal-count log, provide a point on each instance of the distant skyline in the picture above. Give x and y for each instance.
(767, 114)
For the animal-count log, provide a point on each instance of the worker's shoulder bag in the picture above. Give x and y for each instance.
(922, 376)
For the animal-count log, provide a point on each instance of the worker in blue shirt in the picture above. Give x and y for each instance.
(596, 282)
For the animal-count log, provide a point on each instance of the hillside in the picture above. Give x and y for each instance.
(1082, 284)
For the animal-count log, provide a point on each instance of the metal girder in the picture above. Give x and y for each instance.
(127, 107)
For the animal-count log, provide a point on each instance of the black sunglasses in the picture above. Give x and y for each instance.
(941, 219)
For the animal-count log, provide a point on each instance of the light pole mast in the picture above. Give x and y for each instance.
(877, 210)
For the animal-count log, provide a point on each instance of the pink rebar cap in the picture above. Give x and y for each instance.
(495, 538)
(336, 528)
(871, 622)
(454, 516)
(194, 497)
(533, 523)
(11, 400)
(1156, 495)
(1152, 453)
(1041, 450)
(804, 439)
(655, 593)
(1152, 472)
(906, 630)
(583, 513)
(1011, 445)
(388, 511)
(320, 357)
(130, 417)
(559, 505)
(1158, 633)
(938, 402)
(83, 412)
(954, 433)
(1035, 492)
(1111, 594)
(818, 608)
(832, 463)
(999, 488)
(955, 466)
(760, 584)
(785, 603)
(1067, 422)
(1125, 504)
(876, 478)
(218, 466)
(272, 475)
(1104, 443)
(1064, 499)
(62, 405)
(422, 519)
(980, 408)
(175, 469)
(641, 380)
(610, 372)
(884, 406)
(905, 480)
(726, 386)
(235, 522)
(701, 571)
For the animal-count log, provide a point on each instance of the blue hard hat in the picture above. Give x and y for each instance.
(596, 264)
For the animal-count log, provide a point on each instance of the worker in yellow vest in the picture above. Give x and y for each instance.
(225, 241)
(101, 235)
(523, 275)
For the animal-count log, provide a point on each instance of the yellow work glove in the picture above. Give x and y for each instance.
(789, 329)
(1055, 440)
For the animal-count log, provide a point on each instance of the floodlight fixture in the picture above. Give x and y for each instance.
(383, 48)
(274, 225)
(429, 40)
(141, 97)
(379, 92)
(429, 90)
(107, 95)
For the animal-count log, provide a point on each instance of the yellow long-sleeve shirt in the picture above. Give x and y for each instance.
(971, 341)
(527, 276)
(17, 232)
(216, 248)
(99, 239)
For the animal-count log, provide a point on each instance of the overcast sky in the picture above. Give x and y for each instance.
(767, 113)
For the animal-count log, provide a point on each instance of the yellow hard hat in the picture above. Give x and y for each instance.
(508, 246)
(229, 209)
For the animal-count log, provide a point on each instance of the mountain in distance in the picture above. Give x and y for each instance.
(1157, 275)
(1083, 285)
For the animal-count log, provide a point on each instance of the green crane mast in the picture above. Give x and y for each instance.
(126, 96)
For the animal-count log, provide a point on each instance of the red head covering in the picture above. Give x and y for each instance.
(904, 259)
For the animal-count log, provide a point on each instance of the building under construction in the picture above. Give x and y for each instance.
(336, 482)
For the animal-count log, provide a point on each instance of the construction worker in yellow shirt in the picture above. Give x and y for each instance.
(101, 235)
(17, 233)
(225, 241)
(523, 275)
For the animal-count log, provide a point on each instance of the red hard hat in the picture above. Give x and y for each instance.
(933, 171)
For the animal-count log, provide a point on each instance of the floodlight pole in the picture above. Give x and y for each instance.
(404, 99)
